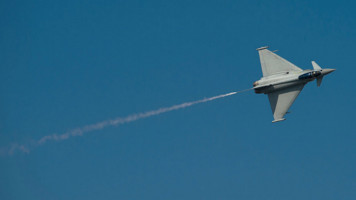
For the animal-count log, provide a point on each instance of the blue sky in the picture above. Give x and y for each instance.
(67, 64)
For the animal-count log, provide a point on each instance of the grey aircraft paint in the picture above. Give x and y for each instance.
(282, 81)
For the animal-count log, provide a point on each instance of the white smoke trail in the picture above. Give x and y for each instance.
(111, 122)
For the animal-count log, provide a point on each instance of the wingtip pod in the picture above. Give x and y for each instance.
(261, 48)
(278, 120)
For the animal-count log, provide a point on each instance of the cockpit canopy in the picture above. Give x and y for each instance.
(309, 75)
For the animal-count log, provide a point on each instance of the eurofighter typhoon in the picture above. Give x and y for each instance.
(282, 81)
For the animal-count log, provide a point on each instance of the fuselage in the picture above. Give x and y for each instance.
(284, 80)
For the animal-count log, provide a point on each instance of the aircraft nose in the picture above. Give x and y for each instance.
(327, 71)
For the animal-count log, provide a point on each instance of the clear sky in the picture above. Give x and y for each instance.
(66, 64)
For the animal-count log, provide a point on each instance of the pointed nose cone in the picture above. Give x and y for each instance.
(327, 71)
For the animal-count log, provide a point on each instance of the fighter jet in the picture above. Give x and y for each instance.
(282, 81)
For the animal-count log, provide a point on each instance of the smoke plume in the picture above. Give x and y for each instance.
(101, 125)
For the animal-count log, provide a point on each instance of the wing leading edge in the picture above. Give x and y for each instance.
(282, 100)
(272, 63)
